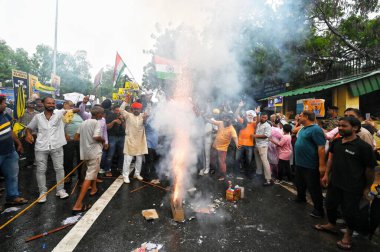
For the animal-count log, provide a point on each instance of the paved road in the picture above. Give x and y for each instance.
(265, 220)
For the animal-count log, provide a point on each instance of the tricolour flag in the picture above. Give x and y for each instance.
(119, 68)
(166, 68)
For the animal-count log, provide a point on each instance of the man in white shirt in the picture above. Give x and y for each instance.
(261, 136)
(50, 139)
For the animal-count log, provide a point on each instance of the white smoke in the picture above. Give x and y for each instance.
(212, 39)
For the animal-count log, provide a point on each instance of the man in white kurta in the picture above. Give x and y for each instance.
(135, 140)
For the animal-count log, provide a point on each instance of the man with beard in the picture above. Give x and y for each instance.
(135, 144)
(244, 155)
(310, 162)
(363, 133)
(50, 139)
(351, 169)
(261, 136)
(222, 140)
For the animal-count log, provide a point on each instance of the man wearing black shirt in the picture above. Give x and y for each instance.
(351, 166)
(116, 134)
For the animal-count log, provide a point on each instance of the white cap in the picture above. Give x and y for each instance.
(251, 113)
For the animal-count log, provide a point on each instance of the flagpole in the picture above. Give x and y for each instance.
(55, 39)
(130, 72)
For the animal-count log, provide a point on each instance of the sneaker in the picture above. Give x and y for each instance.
(126, 180)
(43, 199)
(138, 177)
(239, 178)
(206, 171)
(201, 173)
(268, 183)
(317, 214)
(62, 194)
(101, 171)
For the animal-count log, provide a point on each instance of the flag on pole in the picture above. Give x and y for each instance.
(98, 78)
(166, 68)
(119, 68)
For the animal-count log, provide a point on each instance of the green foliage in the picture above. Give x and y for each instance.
(73, 69)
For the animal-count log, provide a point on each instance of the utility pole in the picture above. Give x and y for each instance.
(55, 39)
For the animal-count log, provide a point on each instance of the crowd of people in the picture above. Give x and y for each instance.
(337, 153)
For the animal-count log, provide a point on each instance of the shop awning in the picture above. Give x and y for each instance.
(359, 85)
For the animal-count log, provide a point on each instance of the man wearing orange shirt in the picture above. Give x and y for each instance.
(223, 139)
(245, 153)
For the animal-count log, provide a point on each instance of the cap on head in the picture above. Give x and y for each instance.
(136, 105)
(251, 113)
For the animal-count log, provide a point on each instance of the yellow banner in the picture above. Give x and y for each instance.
(315, 105)
(121, 91)
(131, 85)
(115, 96)
(33, 80)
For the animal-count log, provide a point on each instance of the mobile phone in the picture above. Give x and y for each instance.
(368, 116)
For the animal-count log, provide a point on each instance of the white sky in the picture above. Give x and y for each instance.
(100, 27)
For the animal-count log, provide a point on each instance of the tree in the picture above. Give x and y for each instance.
(6, 55)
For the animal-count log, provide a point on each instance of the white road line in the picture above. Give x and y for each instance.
(72, 239)
(292, 190)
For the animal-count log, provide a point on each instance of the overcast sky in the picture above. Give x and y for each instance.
(100, 27)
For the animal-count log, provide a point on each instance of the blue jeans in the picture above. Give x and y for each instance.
(116, 144)
(244, 157)
(9, 168)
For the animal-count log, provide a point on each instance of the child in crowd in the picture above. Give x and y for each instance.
(284, 152)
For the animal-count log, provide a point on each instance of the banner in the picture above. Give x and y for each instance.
(131, 85)
(315, 105)
(118, 69)
(20, 89)
(55, 83)
(32, 84)
(9, 93)
(115, 96)
(43, 88)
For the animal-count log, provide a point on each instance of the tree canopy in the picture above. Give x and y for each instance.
(74, 69)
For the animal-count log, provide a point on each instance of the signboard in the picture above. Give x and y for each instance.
(20, 89)
(56, 83)
(315, 105)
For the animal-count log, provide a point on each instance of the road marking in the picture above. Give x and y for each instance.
(291, 189)
(72, 238)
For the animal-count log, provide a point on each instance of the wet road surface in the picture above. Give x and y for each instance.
(265, 220)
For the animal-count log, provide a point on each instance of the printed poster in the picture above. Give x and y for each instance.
(315, 105)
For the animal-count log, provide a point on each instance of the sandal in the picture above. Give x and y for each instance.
(82, 210)
(98, 180)
(343, 245)
(17, 201)
(320, 227)
(108, 174)
(94, 194)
